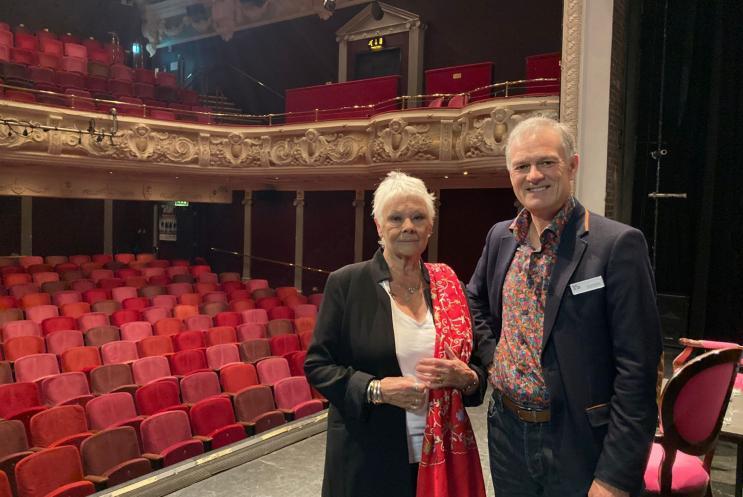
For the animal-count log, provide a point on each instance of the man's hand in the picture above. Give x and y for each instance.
(601, 489)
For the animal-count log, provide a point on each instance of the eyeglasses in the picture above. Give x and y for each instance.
(543, 165)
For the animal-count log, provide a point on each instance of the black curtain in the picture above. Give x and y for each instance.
(689, 106)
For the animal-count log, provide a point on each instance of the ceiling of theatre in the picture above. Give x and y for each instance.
(168, 22)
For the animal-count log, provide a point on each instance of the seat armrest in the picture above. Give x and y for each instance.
(156, 460)
(288, 414)
(100, 482)
(249, 428)
(205, 441)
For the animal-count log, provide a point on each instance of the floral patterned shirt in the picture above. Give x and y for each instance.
(517, 369)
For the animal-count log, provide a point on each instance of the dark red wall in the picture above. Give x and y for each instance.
(65, 226)
(329, 225)
(10, 225)
(464, 219)
(272, 235)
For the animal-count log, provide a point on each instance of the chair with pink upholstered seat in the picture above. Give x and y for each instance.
(692, 408)
(690, 346)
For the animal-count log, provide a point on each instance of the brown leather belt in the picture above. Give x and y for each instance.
(524, 414)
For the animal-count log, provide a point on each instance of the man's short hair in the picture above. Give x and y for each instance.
(532, 126)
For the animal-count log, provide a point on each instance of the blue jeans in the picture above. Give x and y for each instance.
(521, 458)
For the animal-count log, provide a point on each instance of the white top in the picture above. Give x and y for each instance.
(413, 342)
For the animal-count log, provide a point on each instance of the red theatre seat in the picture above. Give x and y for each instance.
(52, 472)
(57, 426)
(189, 361)
(20, 401)
(158, 396)
(293, 395)
(255, 406)
(214, 418)
(66, 389)
(113, 456)
(112, 410)
(168, 435)
(13, 448)
(199, 385)
(236, 377)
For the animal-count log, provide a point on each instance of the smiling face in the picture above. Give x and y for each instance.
(405, 226)
(540, 173)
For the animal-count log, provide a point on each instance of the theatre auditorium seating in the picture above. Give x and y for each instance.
(42, 68)
(141, 388)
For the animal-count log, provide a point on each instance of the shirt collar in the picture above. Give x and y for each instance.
(520, 225)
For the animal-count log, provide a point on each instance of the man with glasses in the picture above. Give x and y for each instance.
(570, 300)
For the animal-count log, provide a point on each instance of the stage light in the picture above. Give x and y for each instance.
(376, 10)
(329, 5)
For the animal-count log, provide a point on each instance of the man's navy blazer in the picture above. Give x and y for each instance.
(600, 349)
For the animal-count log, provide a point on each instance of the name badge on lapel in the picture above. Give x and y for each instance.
(587, 285)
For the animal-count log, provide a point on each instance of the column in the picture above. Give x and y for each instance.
(155, 229)
(358, 237)
(298, 238)
(342, 58)
(247, 232)
(108, 226)
(433, 242)
(415, 57)
(593, 123)
(26, 225)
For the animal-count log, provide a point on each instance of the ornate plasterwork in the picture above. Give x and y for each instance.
(315, 149)
(400, 142)
(572, 28)
(235, 150)
(433, 141)
(486, 136)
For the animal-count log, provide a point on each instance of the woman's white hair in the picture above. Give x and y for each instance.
(530, 127)
(399, 184)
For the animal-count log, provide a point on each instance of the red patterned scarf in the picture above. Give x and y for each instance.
(450, 462)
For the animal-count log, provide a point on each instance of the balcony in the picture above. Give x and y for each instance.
(136, 156)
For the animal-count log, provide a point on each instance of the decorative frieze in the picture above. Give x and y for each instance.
(431, 141)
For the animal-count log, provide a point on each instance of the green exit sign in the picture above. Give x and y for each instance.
(181, 203)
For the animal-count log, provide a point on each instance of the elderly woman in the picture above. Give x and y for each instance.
(392, 351)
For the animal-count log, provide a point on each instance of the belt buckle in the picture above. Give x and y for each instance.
(529, 415)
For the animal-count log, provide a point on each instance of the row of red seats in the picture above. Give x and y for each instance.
(118, 80)
(153, 392)
(84, 100)
(211, 417)
(78, 387)
(133, 327)
(78, 351)
(105, 284)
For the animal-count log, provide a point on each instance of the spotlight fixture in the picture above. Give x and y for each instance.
(376, 10)
(329, 5)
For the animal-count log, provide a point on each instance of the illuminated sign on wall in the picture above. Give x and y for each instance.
(376, 43)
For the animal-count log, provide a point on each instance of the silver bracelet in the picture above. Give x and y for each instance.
(374, 392)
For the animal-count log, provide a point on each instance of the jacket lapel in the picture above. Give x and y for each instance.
(504, 256)
(569, 253)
